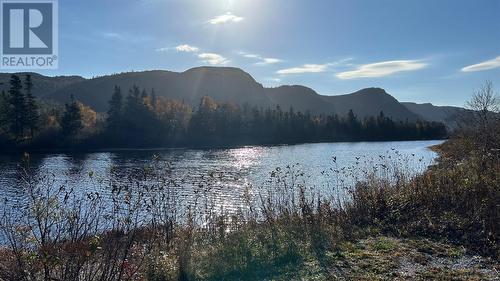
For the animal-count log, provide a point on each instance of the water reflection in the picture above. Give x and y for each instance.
(222, 176)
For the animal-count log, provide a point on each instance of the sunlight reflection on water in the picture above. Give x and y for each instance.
(230, 171)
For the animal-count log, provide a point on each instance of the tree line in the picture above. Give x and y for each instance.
(25, 121)
(19, 112)
(140, 118)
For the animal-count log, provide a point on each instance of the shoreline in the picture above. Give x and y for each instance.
(193, 147)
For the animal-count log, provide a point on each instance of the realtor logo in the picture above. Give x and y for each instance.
(29, 34)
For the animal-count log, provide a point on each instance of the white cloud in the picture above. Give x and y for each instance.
(262, 60)
(267, 61)
(187, 48)
(271, 81)
(485, 65)
(276, 80)
(228, 17)
(213, 59)
(306, 68)
(250, 56)
(181, 48)
(381, 69)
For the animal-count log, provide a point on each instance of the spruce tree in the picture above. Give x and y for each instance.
(71, 121)
(115, 110)
(17, 102)
(31, 113)
(4, 111)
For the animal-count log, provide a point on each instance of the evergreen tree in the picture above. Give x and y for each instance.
(353, 125)
(203, 120)
(31, 114)
(4, 110)
(134, 107)
(16, 116)
(352, 119)
(154, 98)
(115, 110)
(71, 121)
(139, 120)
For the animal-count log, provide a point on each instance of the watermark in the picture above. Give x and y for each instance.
(29, 34)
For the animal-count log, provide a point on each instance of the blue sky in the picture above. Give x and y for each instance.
(423, 51)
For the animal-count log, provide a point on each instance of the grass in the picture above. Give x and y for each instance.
(372, 258)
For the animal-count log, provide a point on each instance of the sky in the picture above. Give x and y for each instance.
(420, 50)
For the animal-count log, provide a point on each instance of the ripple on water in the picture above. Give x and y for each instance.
(223, 175)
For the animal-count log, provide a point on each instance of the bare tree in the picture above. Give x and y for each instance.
(485, 123)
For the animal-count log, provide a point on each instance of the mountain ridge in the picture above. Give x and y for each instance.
(225, 84)
(443, 114)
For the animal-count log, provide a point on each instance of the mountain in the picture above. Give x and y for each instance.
(44, 86)
(370, 102)
(300, 98)
(430, 112)
(225, 84)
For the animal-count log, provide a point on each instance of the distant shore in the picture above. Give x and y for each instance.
(17, 150)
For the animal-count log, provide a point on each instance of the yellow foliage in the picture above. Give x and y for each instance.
(89, 116)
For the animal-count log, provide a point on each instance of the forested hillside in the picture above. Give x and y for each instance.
(138, 117)
(225, 84)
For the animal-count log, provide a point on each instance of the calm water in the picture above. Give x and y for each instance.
(325, 165)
